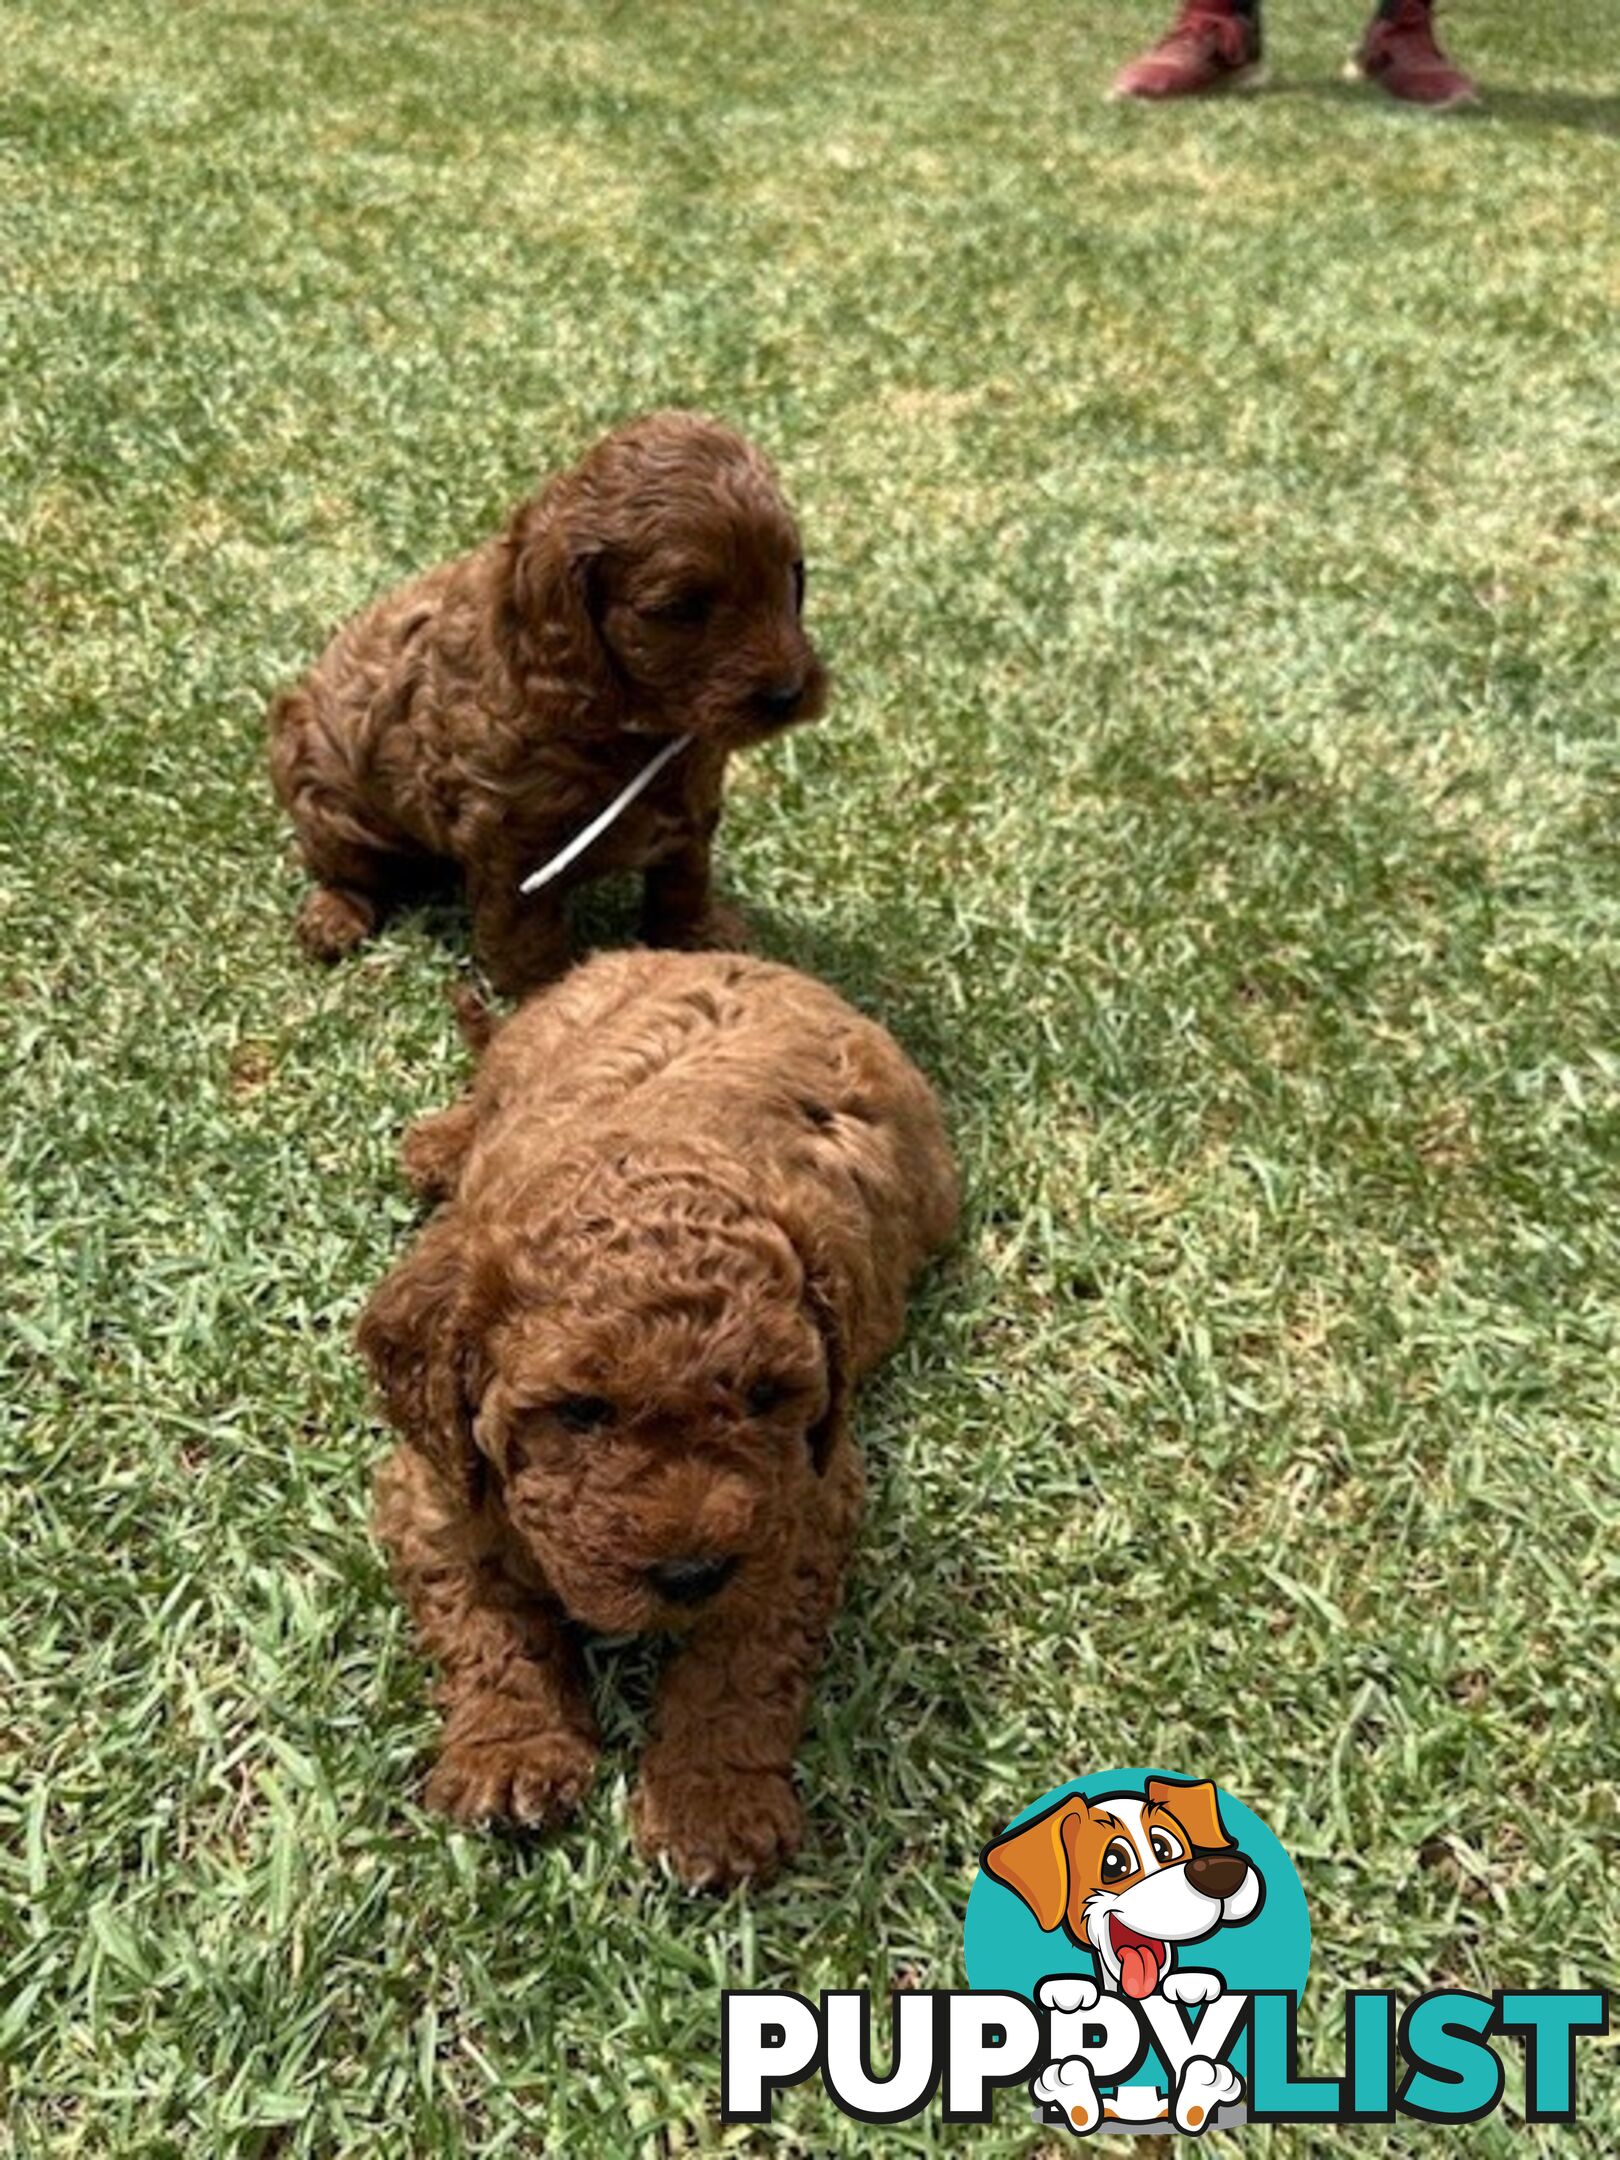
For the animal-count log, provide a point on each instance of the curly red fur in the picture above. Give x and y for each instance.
(683, 1205)
(477, 718)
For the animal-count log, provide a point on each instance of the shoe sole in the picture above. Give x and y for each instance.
(1254, 77)
(1355, 72)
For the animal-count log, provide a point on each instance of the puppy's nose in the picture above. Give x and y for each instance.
(781, 700)
(689, 1582)
(1218, 1875)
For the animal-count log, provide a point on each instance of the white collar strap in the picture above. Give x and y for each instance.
(599, 824)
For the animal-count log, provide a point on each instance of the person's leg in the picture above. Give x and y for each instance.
(1211, 45)
(1399, 52)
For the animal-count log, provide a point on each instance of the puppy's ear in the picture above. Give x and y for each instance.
(552, 604)
(1195, 1807)
(824, 1435)
(1033, 1861)
(824, 1297)
(415, 1333)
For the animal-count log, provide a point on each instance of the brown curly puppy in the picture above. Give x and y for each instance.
(683, 1203)
(479, 717)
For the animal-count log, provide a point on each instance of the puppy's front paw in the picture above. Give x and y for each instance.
(530, 1782)
(717, 1829)
(434, 1149)
(717, 929)
(333, 923)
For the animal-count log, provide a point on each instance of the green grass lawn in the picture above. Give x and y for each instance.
(1214, 519)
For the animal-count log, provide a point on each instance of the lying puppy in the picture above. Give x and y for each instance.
(481, 716)
(683, 1205)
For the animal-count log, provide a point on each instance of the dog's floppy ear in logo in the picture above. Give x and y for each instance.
(1198, 1806)
(1128, 1876)
(1033, 1860)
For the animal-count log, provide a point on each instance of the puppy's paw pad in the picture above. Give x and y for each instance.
(1069, 2087)
(718, 1830)
(528, 1783)
(1204, 2086)
(1068, 1991)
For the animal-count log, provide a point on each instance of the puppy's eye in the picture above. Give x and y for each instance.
(685, 610)
(583, 1413)
(798, 588)
(1165, 1848)
(765, 1396)
(1118, 1862)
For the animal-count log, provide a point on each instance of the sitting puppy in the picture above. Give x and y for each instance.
(480, 717)
(682, 1206)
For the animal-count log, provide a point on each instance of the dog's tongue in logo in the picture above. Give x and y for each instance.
(1141, 1959)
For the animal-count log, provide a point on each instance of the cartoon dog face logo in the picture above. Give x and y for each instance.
(1130, 1876)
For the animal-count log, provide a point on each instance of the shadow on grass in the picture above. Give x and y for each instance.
(1587, 112)
(603, 918)
(863, 969)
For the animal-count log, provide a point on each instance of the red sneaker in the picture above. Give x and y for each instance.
(1208, 47)
(1401, 55)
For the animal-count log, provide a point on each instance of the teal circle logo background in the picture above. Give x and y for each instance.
(1004, 1946)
